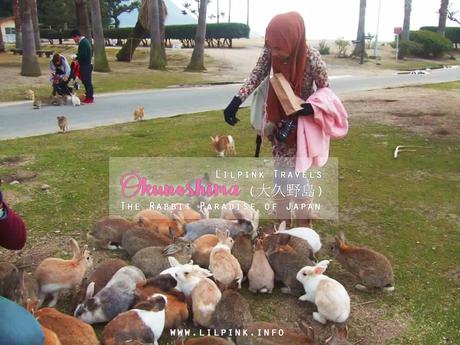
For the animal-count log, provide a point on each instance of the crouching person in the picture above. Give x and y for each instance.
(17, 325)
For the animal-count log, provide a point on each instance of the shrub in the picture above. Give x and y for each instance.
(342, 47)
(452, 33)
(434, 44)
(409, 48)
(324, 49)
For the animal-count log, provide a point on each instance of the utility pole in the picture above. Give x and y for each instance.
(229, 9)
(247, 6)
(377, 31)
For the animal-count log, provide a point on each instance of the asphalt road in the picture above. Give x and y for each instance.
(20, 120)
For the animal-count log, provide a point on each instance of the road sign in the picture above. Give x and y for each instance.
(397, 30)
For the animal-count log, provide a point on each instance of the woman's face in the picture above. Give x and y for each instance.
(279, 51)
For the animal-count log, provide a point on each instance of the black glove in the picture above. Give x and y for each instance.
(307, 110)
(230, 111)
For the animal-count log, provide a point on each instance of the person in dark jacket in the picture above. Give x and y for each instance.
(84, 56)
(17, 325)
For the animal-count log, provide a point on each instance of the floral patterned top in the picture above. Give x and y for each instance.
(315, 71)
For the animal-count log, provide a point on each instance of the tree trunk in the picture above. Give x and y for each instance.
(30, 66)
(359, 37)
(197, 60)
(100, 58)
(35, 25)
(2, 43)
(127, 51)
(156, 57)
(82, 18)
(406, 24)
(17, 23)
(163, 12)
(443, 17)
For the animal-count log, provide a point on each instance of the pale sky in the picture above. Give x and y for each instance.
(330, 19)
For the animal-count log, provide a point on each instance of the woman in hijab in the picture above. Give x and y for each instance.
(285, 52)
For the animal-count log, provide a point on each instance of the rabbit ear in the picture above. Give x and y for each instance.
(90, 290)
(227, 234)
(323, 263)
(319, 270)
(282, 226)
(342, 332)
(173, 261)
(237, 214)
(171, 249)
(75, 248)
(339, 240)
(172, 234)
(203, 273)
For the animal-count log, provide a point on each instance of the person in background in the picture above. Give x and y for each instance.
(60, 72)
(84, 57)
(285, 51)
(17, 325)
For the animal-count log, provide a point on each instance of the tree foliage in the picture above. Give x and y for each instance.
(118, 7)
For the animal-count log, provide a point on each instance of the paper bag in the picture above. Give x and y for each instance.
(289, 101)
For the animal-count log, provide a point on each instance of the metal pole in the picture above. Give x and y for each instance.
(397, 47)
(247, 6)
(377, 31)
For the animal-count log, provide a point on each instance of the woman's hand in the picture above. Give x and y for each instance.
(231, 110)
(307, 110)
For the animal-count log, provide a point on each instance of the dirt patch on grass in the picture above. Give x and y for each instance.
(422, 111)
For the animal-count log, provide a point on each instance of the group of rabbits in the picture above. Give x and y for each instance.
(185, 265)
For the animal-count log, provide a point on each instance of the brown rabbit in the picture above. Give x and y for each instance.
(203, 248)
(108, 232)
(159, 222)
(68, 329)
(54, 274)
(286, 265)
(261, 276)
(223, 144)
(101, 276)
(63, 123)
(265, 333)
(139, 114)
(203, 341)
(339, 336)
(232, 312)
(224, 266)
(153, 260)
(10, 281)
(176, 309)
(138, 238)
(185, 212)
(372, 268)
(242, 250)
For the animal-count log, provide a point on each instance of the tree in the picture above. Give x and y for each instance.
(360, 36)
(30, 66)
(197, 60)
(141, 29)
(17, 23)
(35, 24)
(452, 15)
(406, 24)
(157, 60)
(57, 14)
(118, 7)
(2, 43)
(6, 8)
(100, 57)
(82, 17)
(443, 17)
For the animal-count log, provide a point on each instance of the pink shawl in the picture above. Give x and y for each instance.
(314, 132)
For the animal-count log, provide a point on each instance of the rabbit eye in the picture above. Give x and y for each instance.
(304, 273)
(185, 273)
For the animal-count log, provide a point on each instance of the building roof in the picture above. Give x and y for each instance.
(6, 19)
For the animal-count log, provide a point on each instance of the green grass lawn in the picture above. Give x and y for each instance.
(406, 208)
(454, 85)
(123, 76)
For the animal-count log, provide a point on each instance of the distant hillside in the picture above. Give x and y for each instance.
(177, 15)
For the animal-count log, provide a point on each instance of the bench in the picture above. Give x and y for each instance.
(40, 53)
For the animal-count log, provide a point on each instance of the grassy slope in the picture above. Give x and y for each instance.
(405, 208)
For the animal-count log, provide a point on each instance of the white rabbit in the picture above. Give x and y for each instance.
(329, 295)
(75, 100)
(307, 234)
